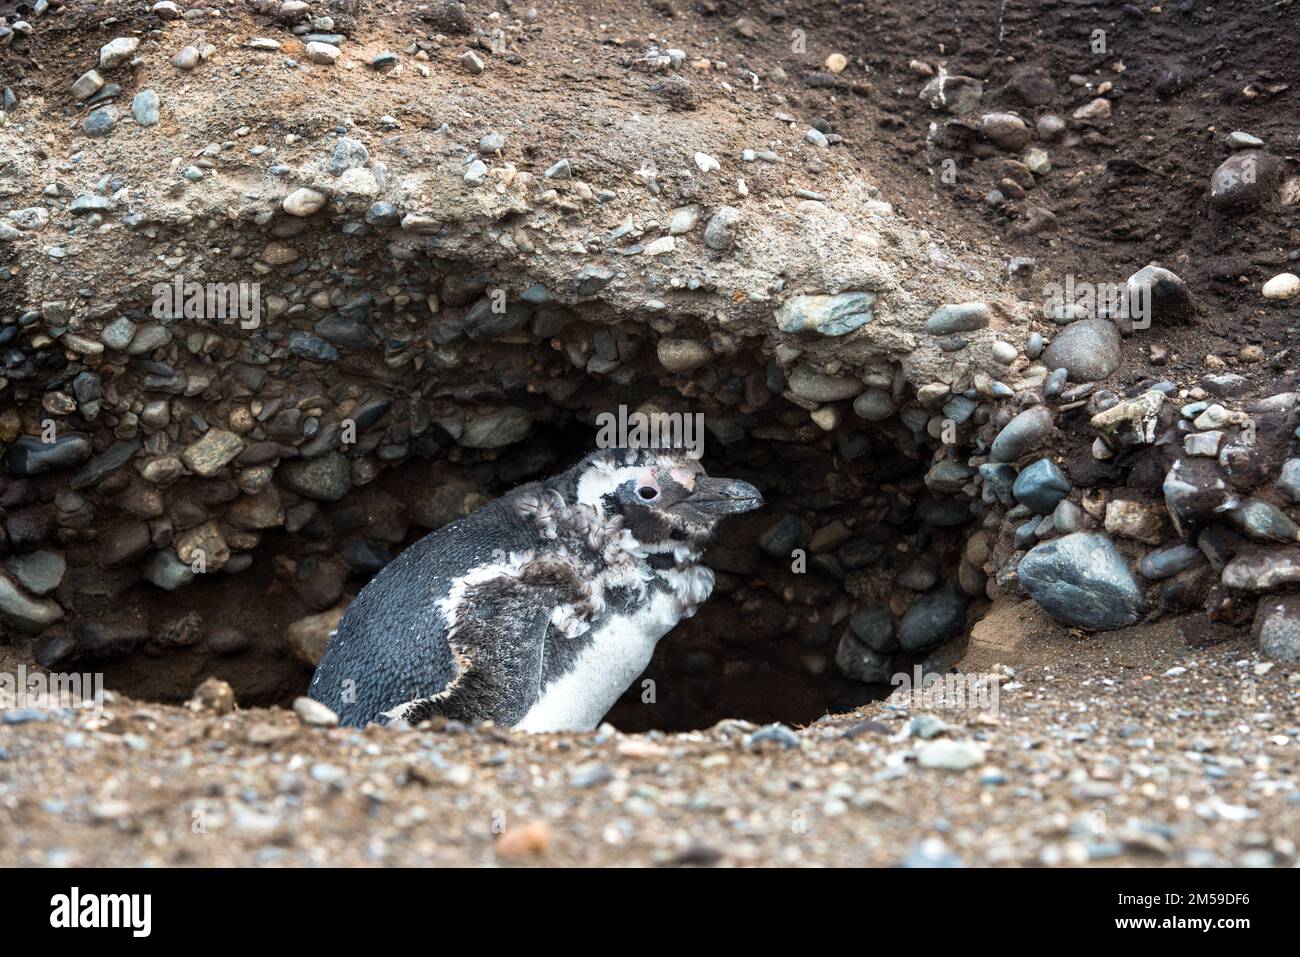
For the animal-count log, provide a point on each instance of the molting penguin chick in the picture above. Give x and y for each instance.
(539, 609)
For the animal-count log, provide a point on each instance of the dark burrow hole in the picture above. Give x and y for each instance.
(850, 537)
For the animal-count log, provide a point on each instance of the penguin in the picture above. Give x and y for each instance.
(538, 610)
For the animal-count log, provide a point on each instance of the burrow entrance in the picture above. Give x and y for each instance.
(803, 621)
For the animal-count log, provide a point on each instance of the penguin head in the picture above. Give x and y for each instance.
(662, 496)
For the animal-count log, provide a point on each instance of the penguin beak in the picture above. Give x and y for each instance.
(720, 496)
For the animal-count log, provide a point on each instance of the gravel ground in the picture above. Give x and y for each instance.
(1123, 750)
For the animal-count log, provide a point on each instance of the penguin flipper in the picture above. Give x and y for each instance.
(498, 628)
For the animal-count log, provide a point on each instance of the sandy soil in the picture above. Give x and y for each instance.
(1127, 749)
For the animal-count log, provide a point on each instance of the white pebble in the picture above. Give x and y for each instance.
(1282, 286)
(319, 52)
(303, 202)
(312, 712)
(706, 163)
(664, 244)
(1004, 352)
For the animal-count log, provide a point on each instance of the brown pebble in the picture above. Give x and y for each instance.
(215, 696)
(525, 840)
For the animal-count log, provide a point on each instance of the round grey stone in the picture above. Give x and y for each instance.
(1277, 628)
(720, 233)
(144, 108)
(874, 627)
(933, 619)
(1088, 350)
(1026, 432)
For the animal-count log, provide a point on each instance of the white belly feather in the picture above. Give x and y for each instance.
(618, 650)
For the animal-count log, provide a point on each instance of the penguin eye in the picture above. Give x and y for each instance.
(647, 493)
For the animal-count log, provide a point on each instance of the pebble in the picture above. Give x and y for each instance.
(1168, 296)
(1203, 444)
(1088, 350)
(1026, 432)
(1132, 422)
(777, 734)
(949, 755)
(324, 53)
(496, 429)
(1261, 520)
(858, 662)
(187, 58)
(100, 122)
(706, 163)
(1262, 570)
(874, 627)
(1050, 127)
(212, 452)
(472, 62)
(38, 572)
(22, 611)
(1167, 562)
(1277, 628)
(1288, 481)
(1003, 352)
(117, 51)
(1129, 518)
(826, 315)
(304, 202)
(314, 714)
(590, 775)
(1005, 130)
(684, 220)
(34, 217)
(932, 620)
(144, 108)
(1093, 112)
(953, 93)
(590, 280)
(529, 839)
(87, 85)
(720, 233)
(559, 170)
(167, 571)
(1082, 580)
(54, 651)
(958, 317)
(1282, 286)
(383, 214)
(931, 853)
(819, 387)
(29, 456)
(1041, 486)
(782, 537)
(874, 405)
(476, 173)
(324, 479)
(1242, 181)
